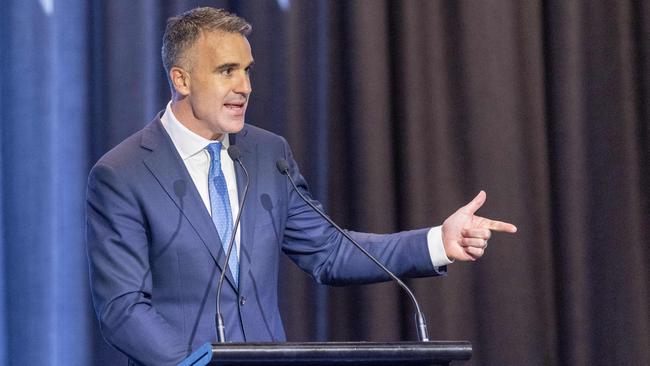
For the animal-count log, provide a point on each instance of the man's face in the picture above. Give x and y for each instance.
(219, 82)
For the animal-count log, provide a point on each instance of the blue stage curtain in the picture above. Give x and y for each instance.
(43, 170)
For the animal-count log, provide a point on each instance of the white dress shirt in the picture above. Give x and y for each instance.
(192, 149)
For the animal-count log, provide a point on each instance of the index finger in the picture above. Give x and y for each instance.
(498, 226)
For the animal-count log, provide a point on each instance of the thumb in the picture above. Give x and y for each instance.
(475, 204)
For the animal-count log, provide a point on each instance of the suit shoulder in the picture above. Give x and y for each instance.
(124, 154)
(126, 159)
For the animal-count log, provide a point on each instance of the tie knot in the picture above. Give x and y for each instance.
(215, 151)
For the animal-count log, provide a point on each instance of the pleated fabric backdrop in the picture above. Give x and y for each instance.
(398, 113)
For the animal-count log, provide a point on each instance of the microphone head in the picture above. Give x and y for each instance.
(283, 166)
(234, 152)
(180, 188)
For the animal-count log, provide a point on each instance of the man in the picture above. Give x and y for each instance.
(161, 205)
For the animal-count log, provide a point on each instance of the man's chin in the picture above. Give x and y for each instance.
(236, 126)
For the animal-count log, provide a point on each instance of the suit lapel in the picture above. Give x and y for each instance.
(247, 223)
(170, 171)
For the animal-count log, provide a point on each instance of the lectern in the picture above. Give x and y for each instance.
(331, 353)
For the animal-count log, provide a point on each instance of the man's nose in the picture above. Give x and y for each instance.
(243, 85)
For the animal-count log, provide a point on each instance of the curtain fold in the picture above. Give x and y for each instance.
(44, 148)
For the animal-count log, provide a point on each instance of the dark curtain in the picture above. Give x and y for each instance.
(398, 112)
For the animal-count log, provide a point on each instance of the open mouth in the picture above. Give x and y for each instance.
(235, 107)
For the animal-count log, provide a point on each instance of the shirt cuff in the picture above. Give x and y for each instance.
(436, 248)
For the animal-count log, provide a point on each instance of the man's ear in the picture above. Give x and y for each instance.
(180, 80)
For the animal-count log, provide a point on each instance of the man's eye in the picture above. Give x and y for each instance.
(227, 71)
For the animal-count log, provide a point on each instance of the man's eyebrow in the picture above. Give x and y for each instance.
(230, 65)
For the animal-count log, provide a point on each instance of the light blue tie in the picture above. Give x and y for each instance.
(220, 206)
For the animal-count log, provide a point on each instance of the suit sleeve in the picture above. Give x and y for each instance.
(319, 249)
(120, 274)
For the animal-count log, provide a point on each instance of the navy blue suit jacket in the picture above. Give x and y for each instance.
(155, 256)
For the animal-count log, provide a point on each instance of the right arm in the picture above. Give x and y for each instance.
(120, 273)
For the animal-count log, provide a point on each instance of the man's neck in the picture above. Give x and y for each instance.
(183, 112)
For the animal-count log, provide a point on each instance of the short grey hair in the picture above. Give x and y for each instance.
(183, 31)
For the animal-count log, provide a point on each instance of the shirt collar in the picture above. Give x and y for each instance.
(186, 142)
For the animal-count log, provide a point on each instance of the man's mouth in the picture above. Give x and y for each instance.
(235, 107)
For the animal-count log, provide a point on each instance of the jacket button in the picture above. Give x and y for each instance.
(242, 301)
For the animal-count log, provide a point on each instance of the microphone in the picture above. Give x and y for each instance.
(421, 325)
(235, 155)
